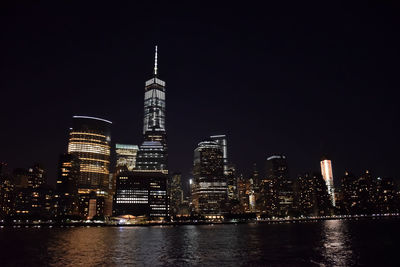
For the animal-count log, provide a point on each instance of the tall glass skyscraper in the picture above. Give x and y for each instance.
(326, 170)
(221, 140)
(153, 153)
(154, 108)
(89, 140)
(282, 185)
(210, 190)
(152, 156)
(143, 191)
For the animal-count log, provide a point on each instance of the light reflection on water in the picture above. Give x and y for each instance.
(327, 243)
(336, 243)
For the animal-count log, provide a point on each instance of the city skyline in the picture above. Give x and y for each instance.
(206, 98)
(199, 134)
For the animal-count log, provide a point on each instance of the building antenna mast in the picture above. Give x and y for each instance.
(155, 63)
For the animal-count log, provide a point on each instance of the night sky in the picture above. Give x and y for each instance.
(302, 80)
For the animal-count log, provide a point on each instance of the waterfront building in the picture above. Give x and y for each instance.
(140, 193)
(326, 170)
(209, 194)
(152, 156)
(222, 141)
(366, 193)
(244, 192)
(6, 197)
(312, 198)
(34, 203)
(125, 157)
(36, 176)
(89, 141)
(232, 184)
(66, 187)
(255, 179)
(175, 193)
(32, 177)
(143, 191)
(265, 202)
(282, 186)
(348, 194)
(154, 129)
(387, 199)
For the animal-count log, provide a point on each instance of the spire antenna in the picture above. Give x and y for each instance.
(155, 62)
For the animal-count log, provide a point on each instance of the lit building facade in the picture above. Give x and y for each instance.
(36, 176)
(232, 183)
(67, 190)
(141, 193)
(326, 170)
(210, 191)
(175, 193)
(89, 141)
(244, 193)
(155, 113)
(222, 141)
(312, 198)
(6, 197)
(152, 156)
(126, 157)
(282, 186)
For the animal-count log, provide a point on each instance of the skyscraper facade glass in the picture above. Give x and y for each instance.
(154, 131)
(154, 108)
(126, 156)
(89, 140)
(143, 191)
(210, 189)
(326, 170)
(221, 140)
(282, 186)
(67, 191)
(152, 156)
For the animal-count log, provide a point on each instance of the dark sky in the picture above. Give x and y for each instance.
(302, 80)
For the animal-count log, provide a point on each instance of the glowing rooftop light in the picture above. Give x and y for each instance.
(92, 118)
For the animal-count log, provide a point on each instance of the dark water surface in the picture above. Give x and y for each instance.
(325, 243)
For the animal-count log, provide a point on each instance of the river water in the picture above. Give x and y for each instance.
(325, 243)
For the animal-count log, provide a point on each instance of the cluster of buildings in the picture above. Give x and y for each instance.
(218, 191)
(140, 187)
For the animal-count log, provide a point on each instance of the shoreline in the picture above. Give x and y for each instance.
(177, 223)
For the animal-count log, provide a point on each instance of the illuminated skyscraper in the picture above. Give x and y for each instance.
(152, 156)
(154, 110)
(326, 170)
(210, 189)
(282, 185)
(126, 156)
(153, 153)
(89, 141)
(221, 140)
(143, 191)
(175, 193)
(312, 198)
